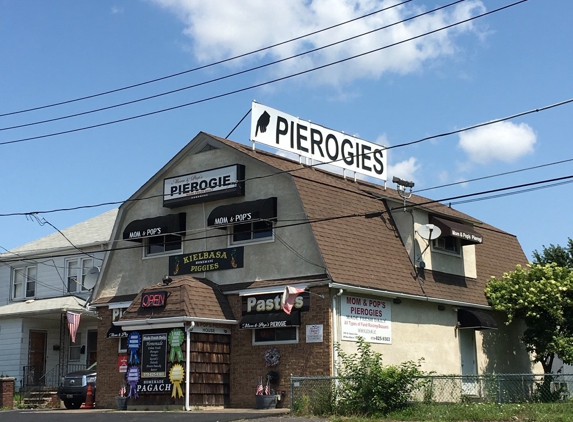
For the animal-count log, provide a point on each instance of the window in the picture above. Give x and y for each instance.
(447, 244)
(75, 348)
(77, 270)
(24, 283)
(258, 231)
(122, 345)
(162, 245)
(275, 335)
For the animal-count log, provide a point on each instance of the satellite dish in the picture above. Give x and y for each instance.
(91, 278)
(429, 231)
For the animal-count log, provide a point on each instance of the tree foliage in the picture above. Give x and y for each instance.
(562, 256)
(367, 387)
(542, 296)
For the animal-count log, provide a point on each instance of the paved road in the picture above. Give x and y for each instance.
(106, 415)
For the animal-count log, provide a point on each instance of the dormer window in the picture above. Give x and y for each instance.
(447, 244)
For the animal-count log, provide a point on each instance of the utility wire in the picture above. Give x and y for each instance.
(514, 116)
(207, 65)
(372, 214)
(218, 79)
(251, 87)
(494, 175)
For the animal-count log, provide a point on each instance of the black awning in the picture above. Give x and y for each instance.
(270, 320)
(244, 212)
(453, 228)
(155, 226)
(477, 320)
(115, 331)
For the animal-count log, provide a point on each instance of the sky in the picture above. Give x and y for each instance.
(392, 76)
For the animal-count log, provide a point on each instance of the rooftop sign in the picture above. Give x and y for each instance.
(282, 131)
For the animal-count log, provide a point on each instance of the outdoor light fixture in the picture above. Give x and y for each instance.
(167, 280)
(402, 185)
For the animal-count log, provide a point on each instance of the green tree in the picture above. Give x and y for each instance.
(542, 296)
(562, 256)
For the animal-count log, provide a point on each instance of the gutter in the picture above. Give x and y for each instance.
(387, 293)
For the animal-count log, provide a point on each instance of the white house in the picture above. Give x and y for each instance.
(39, 283)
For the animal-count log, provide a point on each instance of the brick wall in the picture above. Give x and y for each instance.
(7, 393)
(247, 362)
(301, 359)
(109, 380)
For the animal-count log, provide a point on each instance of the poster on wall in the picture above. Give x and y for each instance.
(122, 363)
(314, 333)
(154, 355)
(369, 318)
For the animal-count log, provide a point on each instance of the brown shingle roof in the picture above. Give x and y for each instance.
(186, 296)
(369, 252)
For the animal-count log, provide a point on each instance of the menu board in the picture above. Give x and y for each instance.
(154, 355)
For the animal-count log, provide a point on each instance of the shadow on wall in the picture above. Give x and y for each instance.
(506, 352)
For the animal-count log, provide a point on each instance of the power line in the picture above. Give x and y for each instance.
(248, 88)
(207, 65)
(530, 186)
(218, 79)
(514, 116)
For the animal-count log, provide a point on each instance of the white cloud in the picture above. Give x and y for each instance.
(405, 170)
(503, 141)
(116, 10)
(222, 29)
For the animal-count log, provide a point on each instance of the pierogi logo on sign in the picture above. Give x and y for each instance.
(280, 130)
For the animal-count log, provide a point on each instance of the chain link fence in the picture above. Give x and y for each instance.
(318, 394)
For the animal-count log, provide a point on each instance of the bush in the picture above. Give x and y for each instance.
(366, 387)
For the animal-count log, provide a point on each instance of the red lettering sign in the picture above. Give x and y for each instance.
(153, 299)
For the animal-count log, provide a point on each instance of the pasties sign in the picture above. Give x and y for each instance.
(280, 130)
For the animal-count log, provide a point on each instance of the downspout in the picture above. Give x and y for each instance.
(335, 299)
(188, 329)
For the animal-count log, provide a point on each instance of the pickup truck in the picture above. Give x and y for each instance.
(73, 387)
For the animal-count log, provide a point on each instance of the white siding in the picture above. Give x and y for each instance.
(11, 348)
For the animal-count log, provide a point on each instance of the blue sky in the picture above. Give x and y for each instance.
(511, 61)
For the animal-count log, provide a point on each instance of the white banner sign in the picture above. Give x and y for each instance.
(282, 131)
(369, 318)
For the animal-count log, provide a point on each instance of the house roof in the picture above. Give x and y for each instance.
(94, 231)
(368, 252)
(186, 297)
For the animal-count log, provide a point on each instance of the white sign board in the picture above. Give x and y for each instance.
(369, 318)
(210, 329)
(314, 333)
(282, 131)
(205, 185)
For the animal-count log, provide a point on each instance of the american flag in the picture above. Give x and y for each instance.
(267, 388)
(289, 295)
(259, 388)
(73, 324)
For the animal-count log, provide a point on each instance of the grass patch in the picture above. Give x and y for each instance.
(476, 412)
